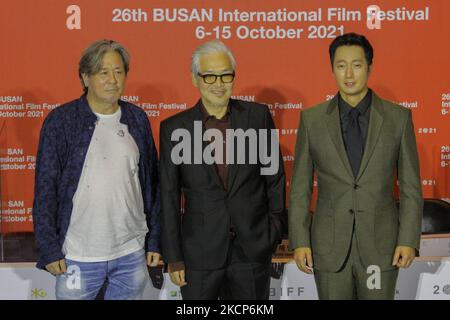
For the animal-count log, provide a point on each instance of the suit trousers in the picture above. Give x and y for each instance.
(238, 279)
(355, 282)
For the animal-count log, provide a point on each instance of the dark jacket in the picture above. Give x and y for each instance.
(64, 141)
(252, 203)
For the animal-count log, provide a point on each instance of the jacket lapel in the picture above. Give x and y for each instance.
(129, 120)
(334, 130)
(375, 123)
(196, 115)
(239, 120)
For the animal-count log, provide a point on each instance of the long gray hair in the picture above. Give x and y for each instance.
(91, 60)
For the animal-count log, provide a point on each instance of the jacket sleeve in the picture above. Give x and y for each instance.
(411, 199)
(152, 192)
(301, 190)
(171, 201)
(275, 179)
(45, 204)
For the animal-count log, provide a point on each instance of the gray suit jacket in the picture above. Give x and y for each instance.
(366, 203)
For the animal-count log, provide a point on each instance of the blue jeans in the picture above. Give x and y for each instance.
(125, 278)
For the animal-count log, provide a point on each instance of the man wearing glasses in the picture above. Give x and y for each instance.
(221, 246)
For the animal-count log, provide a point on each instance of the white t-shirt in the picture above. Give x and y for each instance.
(108, 219)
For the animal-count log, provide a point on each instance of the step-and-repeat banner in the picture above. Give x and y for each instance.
(281, 48)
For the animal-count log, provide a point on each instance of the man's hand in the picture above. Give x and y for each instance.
(177, 278)
(57, 267)
(303, 258)
(153, 259)
(403, 256)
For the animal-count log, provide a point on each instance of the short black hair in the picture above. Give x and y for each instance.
(352, 39)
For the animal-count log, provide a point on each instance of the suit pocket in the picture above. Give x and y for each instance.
(386, 228)
(322, 228)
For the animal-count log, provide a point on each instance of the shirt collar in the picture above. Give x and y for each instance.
(362, 106)
(87, 112)
(206, 116)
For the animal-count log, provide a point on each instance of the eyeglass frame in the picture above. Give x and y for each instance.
(216, 76)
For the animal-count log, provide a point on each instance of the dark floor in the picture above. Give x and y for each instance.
(18, 247)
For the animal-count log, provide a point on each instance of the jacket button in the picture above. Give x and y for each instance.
(351, 211)
(355, 186)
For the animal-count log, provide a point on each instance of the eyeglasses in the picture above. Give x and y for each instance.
(210, 78)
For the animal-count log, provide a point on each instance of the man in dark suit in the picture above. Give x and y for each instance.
(222, 245)
(357, 144)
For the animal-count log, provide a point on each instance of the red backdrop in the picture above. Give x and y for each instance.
(42, 41)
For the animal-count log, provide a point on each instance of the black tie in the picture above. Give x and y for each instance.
(354, 141)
